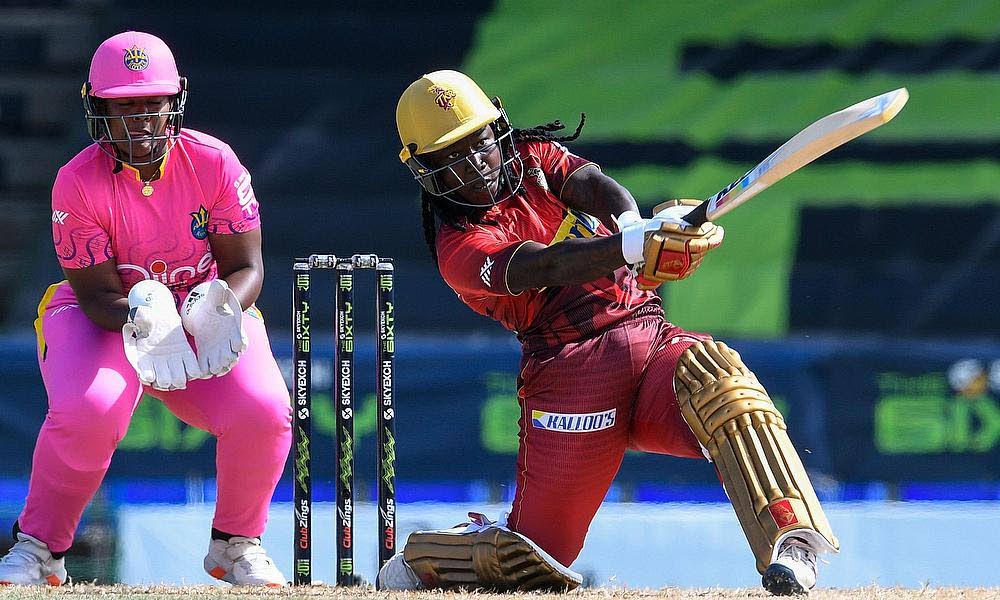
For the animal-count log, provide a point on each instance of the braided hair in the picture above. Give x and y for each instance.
(435, 208)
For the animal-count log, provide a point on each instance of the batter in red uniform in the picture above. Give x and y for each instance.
(539, 239)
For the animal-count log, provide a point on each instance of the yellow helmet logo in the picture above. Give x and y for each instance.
(439, 109)
(444, 96)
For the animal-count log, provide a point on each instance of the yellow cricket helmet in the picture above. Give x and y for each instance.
(440, 109)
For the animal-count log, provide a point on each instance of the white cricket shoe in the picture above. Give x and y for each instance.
(794, 569)
(29, 562)
(242, 561)
(395, 574)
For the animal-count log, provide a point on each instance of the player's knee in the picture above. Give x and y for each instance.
(561, 540)
(714, 386)
(84, 437)
(265, 415)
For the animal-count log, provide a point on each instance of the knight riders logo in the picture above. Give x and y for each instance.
(136, 59)
(443, 96)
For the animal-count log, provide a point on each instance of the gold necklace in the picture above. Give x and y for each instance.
(147, 189)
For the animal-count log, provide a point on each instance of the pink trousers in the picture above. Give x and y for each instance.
(93, 391)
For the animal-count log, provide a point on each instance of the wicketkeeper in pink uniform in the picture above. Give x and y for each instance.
(539, 239)
(158, 233)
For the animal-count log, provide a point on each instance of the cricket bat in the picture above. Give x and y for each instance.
(805, 146)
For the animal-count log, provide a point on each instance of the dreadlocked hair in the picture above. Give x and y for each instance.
(543, 133)
(455, 215)
(430, 226)
(434, 207)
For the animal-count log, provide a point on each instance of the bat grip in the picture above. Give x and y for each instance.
(698, 215)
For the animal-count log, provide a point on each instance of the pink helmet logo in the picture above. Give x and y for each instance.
(136, 59)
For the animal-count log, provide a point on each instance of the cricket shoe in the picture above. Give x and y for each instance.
(29, 562)
(242, 561)
(395, 574)
(793, 570)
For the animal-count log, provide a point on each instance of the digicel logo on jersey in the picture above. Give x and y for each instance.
(159, 271)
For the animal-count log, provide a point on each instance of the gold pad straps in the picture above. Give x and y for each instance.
(734, 419)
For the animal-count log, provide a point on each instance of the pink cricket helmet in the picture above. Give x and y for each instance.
(133, 64)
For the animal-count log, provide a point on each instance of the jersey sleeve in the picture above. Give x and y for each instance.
(474, 262)
(559, 164)
(80, 239)
(235, 209)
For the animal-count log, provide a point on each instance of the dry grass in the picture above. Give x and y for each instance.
(120, 592)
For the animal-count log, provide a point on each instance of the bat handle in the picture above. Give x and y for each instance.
(698, 215)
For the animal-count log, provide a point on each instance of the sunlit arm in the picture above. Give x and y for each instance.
(576, 261)
(240, 264)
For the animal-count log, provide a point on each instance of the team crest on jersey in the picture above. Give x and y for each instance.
(535, 174)
(575, 225)
(199, 223)
(443, 97)
(136, 59)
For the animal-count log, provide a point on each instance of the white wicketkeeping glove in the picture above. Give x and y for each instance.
(212, 314)
(155, 343)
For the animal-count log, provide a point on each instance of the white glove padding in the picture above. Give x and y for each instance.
(155, 343)
(634, 230)
(673, 211)
(212, 314)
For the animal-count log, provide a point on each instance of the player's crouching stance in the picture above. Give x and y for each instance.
(157, 230)
(539, 239)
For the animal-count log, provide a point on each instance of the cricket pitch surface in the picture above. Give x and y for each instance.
(317, 592)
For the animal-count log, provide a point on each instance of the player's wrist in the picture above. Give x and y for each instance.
(626, 218)
(633, 239)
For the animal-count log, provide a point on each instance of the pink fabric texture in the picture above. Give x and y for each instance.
(99, 214)
(93, 392)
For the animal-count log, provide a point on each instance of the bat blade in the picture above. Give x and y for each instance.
(804, 147)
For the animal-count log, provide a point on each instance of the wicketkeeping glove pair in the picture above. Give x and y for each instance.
(666, 247)
(155, 340)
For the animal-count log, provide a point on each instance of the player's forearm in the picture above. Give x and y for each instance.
(245, 283)
(569, 262)
(106, 310)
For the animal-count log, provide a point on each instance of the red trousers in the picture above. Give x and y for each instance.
(580, 410)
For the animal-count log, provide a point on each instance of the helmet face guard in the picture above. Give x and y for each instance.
(123, 148)
(509, 173)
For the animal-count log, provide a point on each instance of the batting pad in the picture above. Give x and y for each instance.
(735, 420)
(488, 559)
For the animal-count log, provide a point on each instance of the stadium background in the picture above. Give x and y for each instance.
(862, 290)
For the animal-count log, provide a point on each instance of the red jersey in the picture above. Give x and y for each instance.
(474, 262)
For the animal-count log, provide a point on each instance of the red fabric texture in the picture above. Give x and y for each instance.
(563, 476)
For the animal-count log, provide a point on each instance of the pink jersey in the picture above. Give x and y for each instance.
(101, 212)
